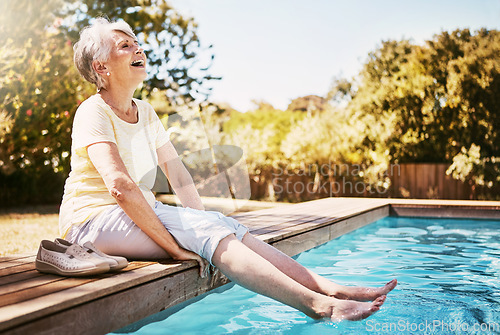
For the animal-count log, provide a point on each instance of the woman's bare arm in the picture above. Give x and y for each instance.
(107, 161)
(179, 177)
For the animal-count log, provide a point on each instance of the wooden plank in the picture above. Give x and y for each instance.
(48, 284)
(306, 209)
(407, 180)
(26, 289)
(17, 269)
(404, 178)
(273, 221)
(440, 175)
(325, 217)
(395, 181)
(420, 178)
(19, 276)
(15, 257)
(451, 187)
(431, 187)
(38, 286)
(17, 261)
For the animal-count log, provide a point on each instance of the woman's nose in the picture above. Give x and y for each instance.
(139, 50)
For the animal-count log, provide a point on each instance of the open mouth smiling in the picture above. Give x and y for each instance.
(138, 63)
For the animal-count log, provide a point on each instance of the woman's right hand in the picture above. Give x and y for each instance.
(186, 255)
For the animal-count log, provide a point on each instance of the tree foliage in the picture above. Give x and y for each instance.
(40, 88)
(39, 92)
(444, 96)
(260, 133)
(334, 139)
(177, 63)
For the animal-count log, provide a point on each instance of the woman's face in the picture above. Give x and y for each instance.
(127, 61)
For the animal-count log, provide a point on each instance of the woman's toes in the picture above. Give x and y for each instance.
(379, 301)
(390, 285)
(354, 310)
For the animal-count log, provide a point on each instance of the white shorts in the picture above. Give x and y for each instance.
(114, 233)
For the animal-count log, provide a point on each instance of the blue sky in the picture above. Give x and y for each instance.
(278, 50)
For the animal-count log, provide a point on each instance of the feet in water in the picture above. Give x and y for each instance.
(338, 310)
(364, 293)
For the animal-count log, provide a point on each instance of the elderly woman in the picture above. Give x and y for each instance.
(118, 142)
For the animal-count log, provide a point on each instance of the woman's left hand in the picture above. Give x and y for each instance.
(185, 255)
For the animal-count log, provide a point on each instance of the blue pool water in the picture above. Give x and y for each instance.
(449, 283)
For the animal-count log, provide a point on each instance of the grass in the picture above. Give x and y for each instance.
(22, 230)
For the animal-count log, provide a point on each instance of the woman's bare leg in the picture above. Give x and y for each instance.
(311, 280)
(250, 270)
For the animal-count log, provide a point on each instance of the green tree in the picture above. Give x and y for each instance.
(178, 65)
(260, 133)
(444, 97)
(39, 91)
(336, 149)
(40, 88)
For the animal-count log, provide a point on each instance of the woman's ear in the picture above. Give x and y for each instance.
(99, 67)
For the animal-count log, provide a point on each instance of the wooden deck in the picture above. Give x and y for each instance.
(35, 303)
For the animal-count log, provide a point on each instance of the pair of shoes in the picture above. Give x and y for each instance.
(72, 261)
(68, 259)
(115, 262)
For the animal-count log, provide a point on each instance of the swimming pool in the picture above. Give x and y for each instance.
(448, 272)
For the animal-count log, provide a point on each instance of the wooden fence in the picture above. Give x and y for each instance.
(427, 181)
(413, 180)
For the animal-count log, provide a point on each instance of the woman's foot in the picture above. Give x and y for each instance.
(364, 293)
(338, 310)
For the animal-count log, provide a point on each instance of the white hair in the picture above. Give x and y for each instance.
(94, 44)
